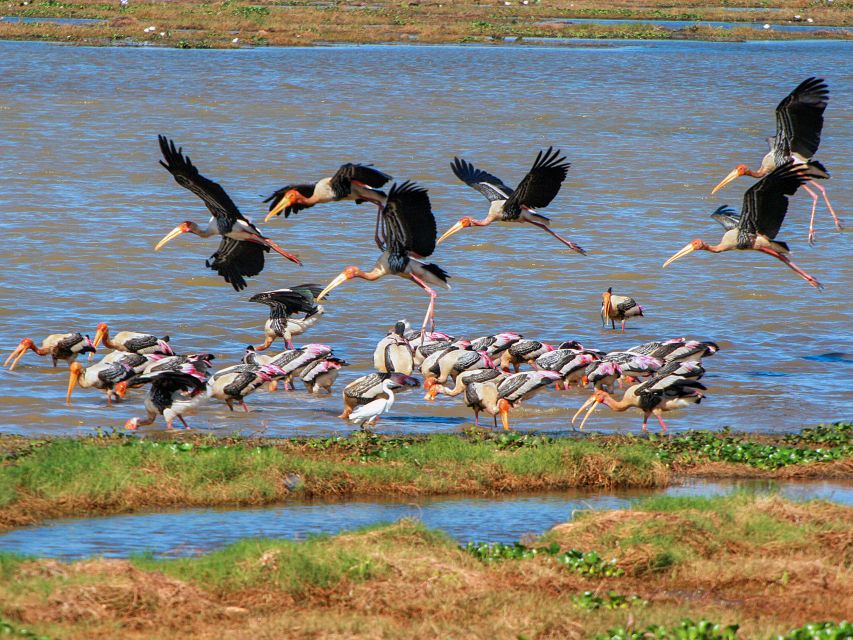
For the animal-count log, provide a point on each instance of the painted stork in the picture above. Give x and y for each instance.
(654, 396)
(59, 346)
(569, 363)
(366, 388)
(132, 342)
(238, 381)
(285, 303)
(799, 121)
(537, 189)
(764, 207)
(470, 376)
(523, 351)
(172, 394)
(615, 307)
(496, 344)
(677, 349)
(359, 182)
(291, 363)
(453, 362)
(416, 340)
(424, 351)
(619, 365)
(368, 414)
(103, 376)
(409, 236)
(241, 251)
(497, 399)
(321, 375)
(394, 353)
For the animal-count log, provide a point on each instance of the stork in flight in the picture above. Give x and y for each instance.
(799, 121)
(359, 182)
(283, 304)
(409, 237)
(764, 207)
(537, 189)
(241, 251)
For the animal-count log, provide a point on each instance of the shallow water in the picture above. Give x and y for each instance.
(501, 519)
(649, 127)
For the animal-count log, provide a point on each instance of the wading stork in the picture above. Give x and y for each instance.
(497, 399)
(59, 346)
(764, 207)
(537, 189)
(366, 388)
(799, 121)
(615, 307)
(241, 251)
(394, 353)
(132, 341)
(172, 394)
(283, 304)
(409, 236)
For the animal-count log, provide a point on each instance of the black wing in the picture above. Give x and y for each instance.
(727, 217)
(765, 203)
(799, 118)
(306, 190)
(490, 186)
(218, 202)
(167, 381)
(235, 259)
(294, 300)
(409, 224)
(542, 183)
(364, 173)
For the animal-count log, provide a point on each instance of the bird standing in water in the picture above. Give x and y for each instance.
(394, 353)
(59, 346)
(369, 413)
(799, 122)
(615, 307)
(172, 394)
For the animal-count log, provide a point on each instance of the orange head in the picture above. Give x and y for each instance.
(503, 408)
(102, 333)
(185, 227)
(431, 386)
(75, 371)
(606, 306)
(132, 424)
(291, 196)
(464, 223)
(694, 245)
(347, 274)
(734, 174)
(121, 389)
(19, 352)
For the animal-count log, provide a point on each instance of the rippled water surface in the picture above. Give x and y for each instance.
(649, 128)
(502, 519)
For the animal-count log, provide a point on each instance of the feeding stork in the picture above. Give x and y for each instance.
(321, 375)
(285, 303)
(241, 251)
(366, 388)
(236, 382)
(131, 341)
(799, 122)
(523, 351)
(452, 362)
(537, 189)
(764, 207)
(102, 375)
(615, 307)
(569, 363)
(59, 346)
(677, 349)
(172, 394)
(409, 236)
(394, 353)
(496, 344)
(497, 399)
(470, 376)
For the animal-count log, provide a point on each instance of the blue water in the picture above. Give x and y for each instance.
(681, 24)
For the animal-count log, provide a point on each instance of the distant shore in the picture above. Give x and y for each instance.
(228, 24)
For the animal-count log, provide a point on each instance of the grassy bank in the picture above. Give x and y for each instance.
(765, 564)
(188, 24)
(80, 476)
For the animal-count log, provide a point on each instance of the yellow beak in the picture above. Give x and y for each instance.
(595, 403)
(334, 283)
(685, 251)
(583, 406)
(456, 228)
(283, 204)
(17, 354)
(72, 382)
(504, 409)
(174, 233)
(734, 174)
(606, 308)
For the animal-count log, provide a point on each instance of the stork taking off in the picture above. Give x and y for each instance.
(409, 236)
(764, 207)
(359, 182)
(172, 395)
(283, 304)
(537, 189)
(241, 251)
(615, 307)
(59, 346)
(799, 122)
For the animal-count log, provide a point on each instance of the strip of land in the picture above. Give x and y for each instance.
(764, 563)
(229, 23)
(42, 479)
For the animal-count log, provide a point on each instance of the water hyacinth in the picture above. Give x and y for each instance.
(585, 563)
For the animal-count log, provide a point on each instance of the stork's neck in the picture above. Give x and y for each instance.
(210, 230)
(617, 405)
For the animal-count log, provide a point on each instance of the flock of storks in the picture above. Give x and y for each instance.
(662, 375)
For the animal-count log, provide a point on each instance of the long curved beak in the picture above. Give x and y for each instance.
(72, 382)
(174, 233)
(339, 280)
(734, 174)
(685, 251)
(503, 405)
(100, 334)
(592, 409)
(456, 228)
(283, 204)
(17, 354)
(606, 308)
(432, 392)
(583, 406)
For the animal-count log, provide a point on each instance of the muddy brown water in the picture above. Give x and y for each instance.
(649, 127)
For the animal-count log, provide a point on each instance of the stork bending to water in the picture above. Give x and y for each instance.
(59, 346)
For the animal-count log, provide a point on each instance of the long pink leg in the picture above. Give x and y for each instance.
(787, 261)
(430, 314)
(183, 422)
(814, 208)
(660, 419)
(645, 420)
(272, 245)
(245, 408)
(822, 190)
(571, 245)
